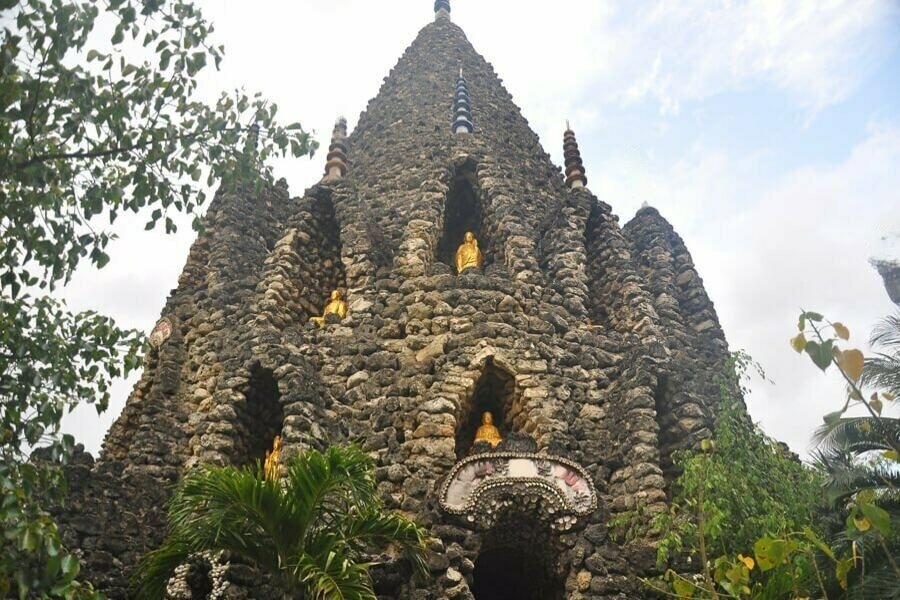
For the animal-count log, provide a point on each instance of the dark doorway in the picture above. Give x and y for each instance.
(260, 419)
(514, 573)
(494, 393)
(463, 211)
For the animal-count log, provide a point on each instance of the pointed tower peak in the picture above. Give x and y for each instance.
(442, 9)
(575, 177)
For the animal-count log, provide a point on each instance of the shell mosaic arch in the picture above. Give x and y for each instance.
(482, 486)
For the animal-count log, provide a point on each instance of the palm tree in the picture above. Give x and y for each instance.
(858, 456)
(882, 372)
(312, 531)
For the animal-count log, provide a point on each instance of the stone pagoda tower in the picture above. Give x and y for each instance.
(593, 347)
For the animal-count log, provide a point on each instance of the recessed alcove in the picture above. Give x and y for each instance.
(259, 419)
(518, 561)
(330, 275)
(597, 252)
(199, 580)
(667, 436)
(463, 211)
(495, 392)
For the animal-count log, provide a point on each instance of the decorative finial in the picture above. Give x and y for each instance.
(336, 165)
(442, 9)
(575, 177)
(462, 108)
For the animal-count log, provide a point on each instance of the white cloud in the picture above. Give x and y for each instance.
(767, 248)
(816, 51)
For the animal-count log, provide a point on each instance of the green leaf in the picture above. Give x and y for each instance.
(820, 353)
(770, 553)
(683, 588)
(813, 316)
(70, 566)
(30, 541)
(878, 517)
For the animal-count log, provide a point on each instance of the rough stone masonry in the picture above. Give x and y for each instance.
(596, 340)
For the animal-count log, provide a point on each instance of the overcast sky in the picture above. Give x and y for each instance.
(766, 132)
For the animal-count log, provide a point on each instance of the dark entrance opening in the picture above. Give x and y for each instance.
(199, 580)
(260, 419)
(463, 211)
(494, 392)
(518, 561)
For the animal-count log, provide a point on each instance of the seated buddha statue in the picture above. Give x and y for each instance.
(468, 254)
(336, 306)
(488, 432)
(273, 456)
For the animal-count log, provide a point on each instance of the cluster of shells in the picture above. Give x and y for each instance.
(179, 585)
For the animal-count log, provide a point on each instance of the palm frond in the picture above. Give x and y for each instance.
(333, 576)
(882, 372)
(887, 334)
(236, 510)
(376, 528)
(322, 487)
(858, 434)
(845, 475)
(313, 530)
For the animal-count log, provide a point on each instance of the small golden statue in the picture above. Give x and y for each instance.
(270, 467)
(488, 432)
(468, 254)
(335, 306)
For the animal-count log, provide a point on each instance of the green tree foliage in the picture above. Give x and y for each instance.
(99, 116)
(743, 510)
(312, 530)
(859, 454)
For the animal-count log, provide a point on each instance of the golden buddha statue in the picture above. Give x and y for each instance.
(468, 254)
(488, 432)
(270, 467)
(336, 306)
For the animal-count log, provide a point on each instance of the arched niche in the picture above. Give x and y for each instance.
(259, 419)
(495, 392)
(463, 211)
(518, 560)
(328, 268)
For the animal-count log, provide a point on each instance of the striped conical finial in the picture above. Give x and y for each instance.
(442, 9)
(336, 165)
(575, 177)
(462, 107)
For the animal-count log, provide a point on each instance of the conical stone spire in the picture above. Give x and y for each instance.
(442, 9)
(575, 177)
(462, 107)
(336, 165)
